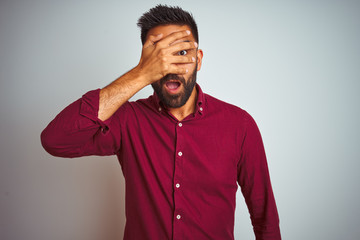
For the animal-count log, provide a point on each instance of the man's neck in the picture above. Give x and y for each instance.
(188, 108)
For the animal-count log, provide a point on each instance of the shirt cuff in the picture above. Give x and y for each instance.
(89, 108)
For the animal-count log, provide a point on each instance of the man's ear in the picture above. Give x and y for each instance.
(199, 55)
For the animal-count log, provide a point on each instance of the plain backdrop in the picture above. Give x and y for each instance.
(294, 65)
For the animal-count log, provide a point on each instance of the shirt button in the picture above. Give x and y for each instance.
(159, 109)
(180, 124)
(177, 185)
(178, 216)
(201, 109)
(180, 154)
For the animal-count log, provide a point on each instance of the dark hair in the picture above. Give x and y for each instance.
(166, 15)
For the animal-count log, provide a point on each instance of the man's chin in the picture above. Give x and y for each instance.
(172, 100)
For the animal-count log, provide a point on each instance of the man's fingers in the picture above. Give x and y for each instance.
(152, 39)
(180, 59)
(169, 39)
(174, 69)
(177, 65)
(182, 46)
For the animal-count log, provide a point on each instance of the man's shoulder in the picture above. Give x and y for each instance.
(143, 105)
(218, 105)
(228, 112)
(136, 108)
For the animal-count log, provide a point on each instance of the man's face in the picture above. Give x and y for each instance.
(175, 90)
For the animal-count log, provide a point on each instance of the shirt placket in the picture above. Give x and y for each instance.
(179, 213)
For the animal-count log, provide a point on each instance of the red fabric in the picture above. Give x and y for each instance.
(181, 179)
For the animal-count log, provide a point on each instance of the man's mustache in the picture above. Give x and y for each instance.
(172, 77)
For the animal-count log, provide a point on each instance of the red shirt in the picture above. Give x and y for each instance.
(181, 176)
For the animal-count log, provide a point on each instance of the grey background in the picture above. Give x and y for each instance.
(293, 65)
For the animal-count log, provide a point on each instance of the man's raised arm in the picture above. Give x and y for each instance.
(86, 126)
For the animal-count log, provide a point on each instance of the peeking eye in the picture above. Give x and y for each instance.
(182, 53)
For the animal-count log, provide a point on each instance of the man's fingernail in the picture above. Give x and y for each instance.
(188, 32)
(193, 59)
(195, 44)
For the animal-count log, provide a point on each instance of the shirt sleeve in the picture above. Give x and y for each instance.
(77, 131)
(254, 180)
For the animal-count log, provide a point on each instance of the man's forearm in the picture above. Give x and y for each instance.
(119, 91)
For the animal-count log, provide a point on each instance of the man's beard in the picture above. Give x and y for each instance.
(175, 100)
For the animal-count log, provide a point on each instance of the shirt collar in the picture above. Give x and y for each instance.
(199, 109)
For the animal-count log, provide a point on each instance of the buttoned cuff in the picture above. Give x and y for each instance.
(89, 108)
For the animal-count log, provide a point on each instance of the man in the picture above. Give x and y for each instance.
(182, 152)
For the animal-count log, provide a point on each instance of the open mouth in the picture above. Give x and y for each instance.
(172, 85)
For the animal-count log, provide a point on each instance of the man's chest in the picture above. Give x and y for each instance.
(204, 152)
